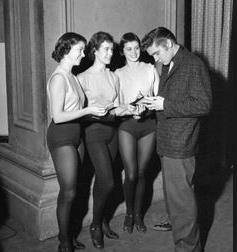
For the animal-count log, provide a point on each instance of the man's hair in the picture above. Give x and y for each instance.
(158, 35)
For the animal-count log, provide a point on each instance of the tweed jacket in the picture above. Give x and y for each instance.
(187, 97)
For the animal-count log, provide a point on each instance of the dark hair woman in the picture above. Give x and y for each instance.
(136, 133)
(66, 100)
(101, 87)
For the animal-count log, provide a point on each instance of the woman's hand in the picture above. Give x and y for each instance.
(98, 111)
(139, 109)
(124, 110)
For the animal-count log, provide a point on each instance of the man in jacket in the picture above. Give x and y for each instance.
(184, 97)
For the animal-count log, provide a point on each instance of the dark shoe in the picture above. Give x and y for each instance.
(128, 223)
(63, 248)
(77, 244)
(108, 232)
(97, 236)
(139, 223)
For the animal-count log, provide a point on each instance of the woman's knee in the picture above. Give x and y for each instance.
(109, 186)
(131, 176)
(141, 174)
(102, 186)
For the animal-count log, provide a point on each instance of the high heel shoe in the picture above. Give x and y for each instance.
(77, 244)
(139, 223)
(63, 248)
(128, 223)
(96, 236)
(108, 232)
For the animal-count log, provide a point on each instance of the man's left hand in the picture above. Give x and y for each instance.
(154, 102)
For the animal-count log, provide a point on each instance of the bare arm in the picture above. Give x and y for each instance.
(57, 92)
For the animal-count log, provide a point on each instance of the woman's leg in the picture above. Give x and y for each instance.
(65, 160)
(103, 185)
(113, 146)
(128, 149)
(146, 147)
(109, 204)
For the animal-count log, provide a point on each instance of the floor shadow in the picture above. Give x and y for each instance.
(210, 180)
(215, 156)
(4, 213)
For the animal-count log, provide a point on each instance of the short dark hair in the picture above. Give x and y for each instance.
(65, 43)
(95, 42)
(128, 37)
(158, 35)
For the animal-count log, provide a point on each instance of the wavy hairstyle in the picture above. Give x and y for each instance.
(159, 36)
(65, 43)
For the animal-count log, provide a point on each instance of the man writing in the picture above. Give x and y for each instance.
(184, 97)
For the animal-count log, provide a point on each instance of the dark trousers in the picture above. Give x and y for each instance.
(180, 202)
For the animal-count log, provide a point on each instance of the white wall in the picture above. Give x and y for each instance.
(3, 93)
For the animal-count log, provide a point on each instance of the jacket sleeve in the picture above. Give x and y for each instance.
(197, 100)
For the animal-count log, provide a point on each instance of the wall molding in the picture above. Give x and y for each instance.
(170, 15)
(69, 10)
(24, 102)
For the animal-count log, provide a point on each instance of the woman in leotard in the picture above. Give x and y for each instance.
(66, 100)
(101, 87)
(136, 133)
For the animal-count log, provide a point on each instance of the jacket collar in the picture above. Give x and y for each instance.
(177, 60)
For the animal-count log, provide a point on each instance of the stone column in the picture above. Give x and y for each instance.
(26, 171)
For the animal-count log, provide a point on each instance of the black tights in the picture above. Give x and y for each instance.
(102, 155)
(66, 161)
(135, 154)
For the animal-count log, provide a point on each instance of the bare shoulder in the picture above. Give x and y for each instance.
(57, 81)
